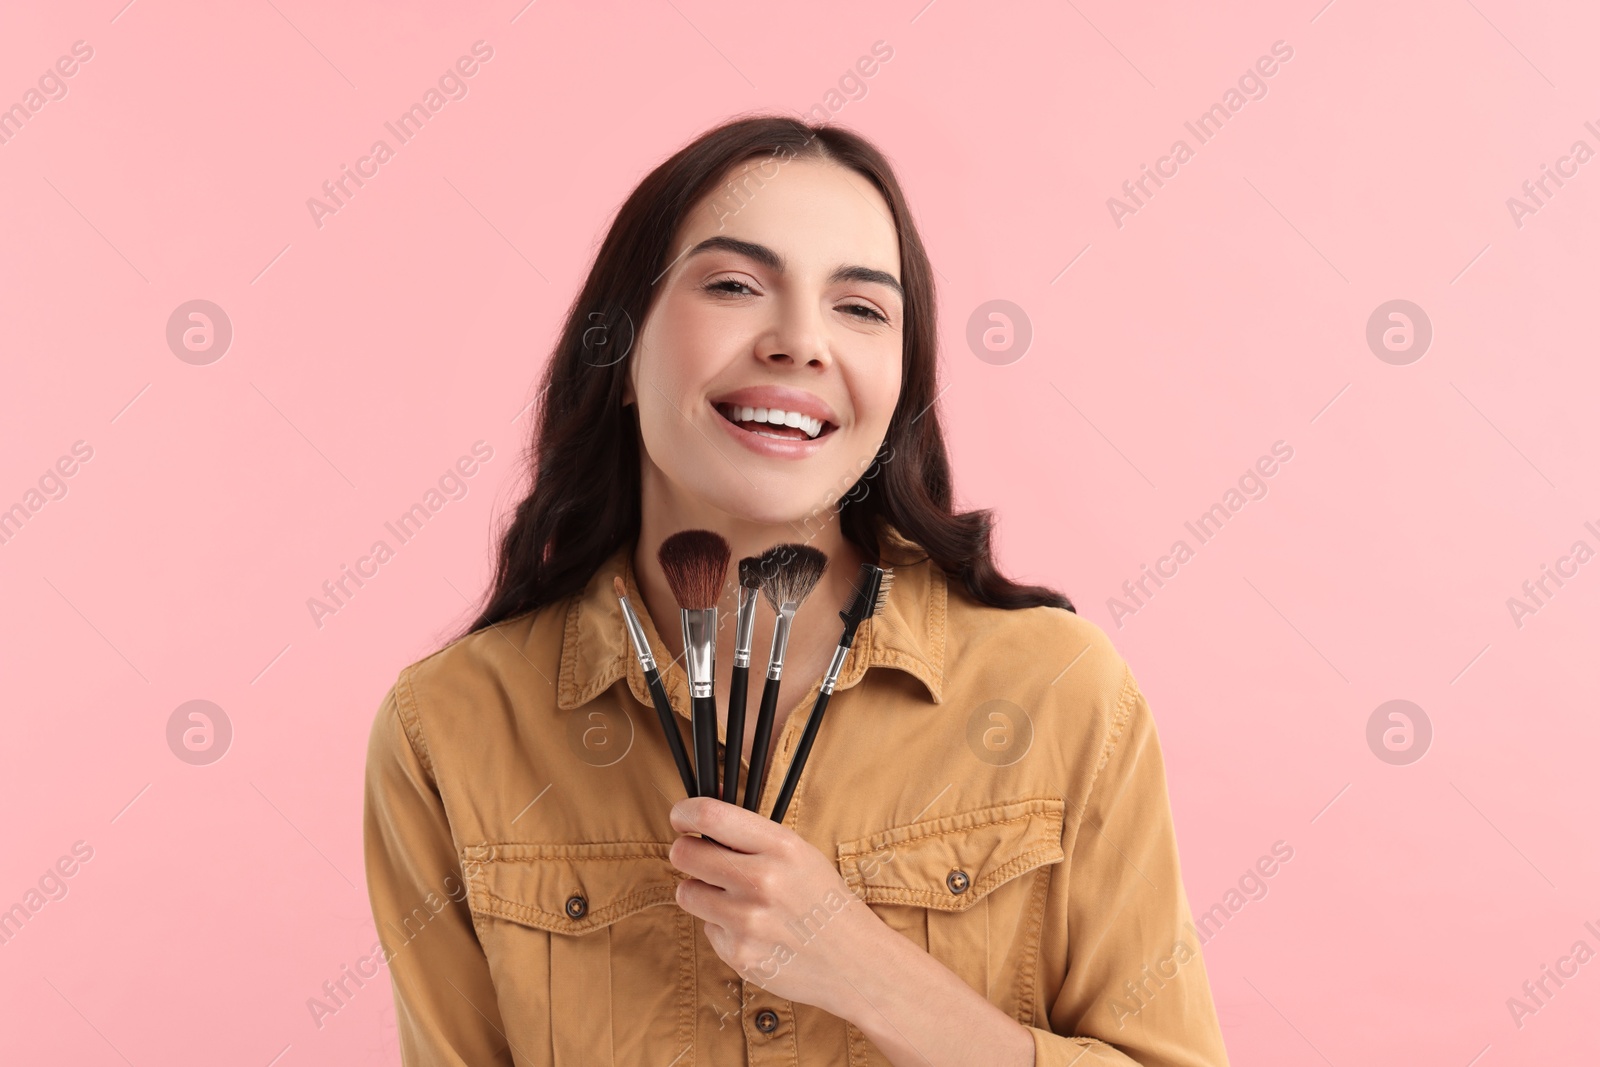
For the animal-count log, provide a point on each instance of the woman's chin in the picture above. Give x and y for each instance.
(800, 514)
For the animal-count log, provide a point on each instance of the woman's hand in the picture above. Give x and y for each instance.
(776, 909)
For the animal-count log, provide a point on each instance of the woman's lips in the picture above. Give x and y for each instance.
(772, 444)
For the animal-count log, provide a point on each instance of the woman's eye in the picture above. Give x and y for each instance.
(735, 287)
(867, 312)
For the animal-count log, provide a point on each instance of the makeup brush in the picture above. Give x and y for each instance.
(658, 692)
(743, 633)
(789, 572)
(695, 563)
(872, 587)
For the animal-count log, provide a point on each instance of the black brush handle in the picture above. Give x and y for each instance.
(704, 723)
(735, 742)
(669, 727)
(791, 778)
(758, 745)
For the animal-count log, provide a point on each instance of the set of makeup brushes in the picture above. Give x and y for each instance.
(695, 563)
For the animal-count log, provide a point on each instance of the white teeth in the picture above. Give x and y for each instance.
(774, 417)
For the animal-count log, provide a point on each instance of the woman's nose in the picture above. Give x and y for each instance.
(798, 337)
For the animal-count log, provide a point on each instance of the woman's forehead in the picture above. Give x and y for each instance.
(815, 214)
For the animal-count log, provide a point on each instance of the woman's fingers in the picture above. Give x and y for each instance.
(720, 867)
(695, 897)
(730, 825)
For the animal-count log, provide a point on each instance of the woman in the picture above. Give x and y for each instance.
(979, 865)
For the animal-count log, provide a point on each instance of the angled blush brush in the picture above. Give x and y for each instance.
(658, 692)
(743, 632)
(871, 589)
(695, 563)
(788, 572)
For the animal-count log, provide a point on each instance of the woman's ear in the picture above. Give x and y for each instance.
(628, 395)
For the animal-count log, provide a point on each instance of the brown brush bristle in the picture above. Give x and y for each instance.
(750, 572)
(792, 572)
(695, 563)
(883, 591)
(622, 590)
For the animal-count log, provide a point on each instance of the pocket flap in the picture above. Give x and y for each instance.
(951, 863)
(568, 888)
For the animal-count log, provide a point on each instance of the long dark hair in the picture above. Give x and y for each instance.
(583, 502)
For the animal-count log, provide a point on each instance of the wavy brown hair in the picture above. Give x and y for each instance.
(583, 502)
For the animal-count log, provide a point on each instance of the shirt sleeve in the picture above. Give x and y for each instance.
(1135, 990)
(445, 1006)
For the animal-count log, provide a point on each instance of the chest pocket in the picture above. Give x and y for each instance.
(956, 886)
(579, 938)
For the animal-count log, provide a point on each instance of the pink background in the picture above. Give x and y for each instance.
(1228, 313)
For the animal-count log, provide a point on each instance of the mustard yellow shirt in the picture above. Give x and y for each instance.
(989, 781)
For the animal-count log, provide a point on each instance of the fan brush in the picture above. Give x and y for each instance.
(789, 572)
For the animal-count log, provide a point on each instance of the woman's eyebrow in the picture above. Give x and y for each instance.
(770, 259)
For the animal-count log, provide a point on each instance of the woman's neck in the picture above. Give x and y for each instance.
(815, 624)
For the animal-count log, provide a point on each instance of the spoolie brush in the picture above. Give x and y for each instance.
(658, 692)
(695, 563)
(749, 592)
(788, 573)
(871, 591)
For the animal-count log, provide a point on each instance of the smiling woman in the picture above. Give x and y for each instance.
(794, 306)
(919, 899)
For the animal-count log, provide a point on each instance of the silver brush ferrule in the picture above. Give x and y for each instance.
(744, 626)
(834, 666)
(780, 641)
(641, 646)
(699, 647)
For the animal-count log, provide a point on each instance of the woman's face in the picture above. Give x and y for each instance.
(783, 305)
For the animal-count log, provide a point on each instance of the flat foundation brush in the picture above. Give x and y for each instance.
(872, 587)
(658, 692)
(743, 632)
(695, 563)
(788, 572)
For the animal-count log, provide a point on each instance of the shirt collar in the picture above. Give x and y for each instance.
(908, 634)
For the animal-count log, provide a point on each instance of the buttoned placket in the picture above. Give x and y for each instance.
(767, 1022)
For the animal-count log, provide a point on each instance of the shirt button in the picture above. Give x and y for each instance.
(957, 881)
(577, 907)
(766, 1020)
